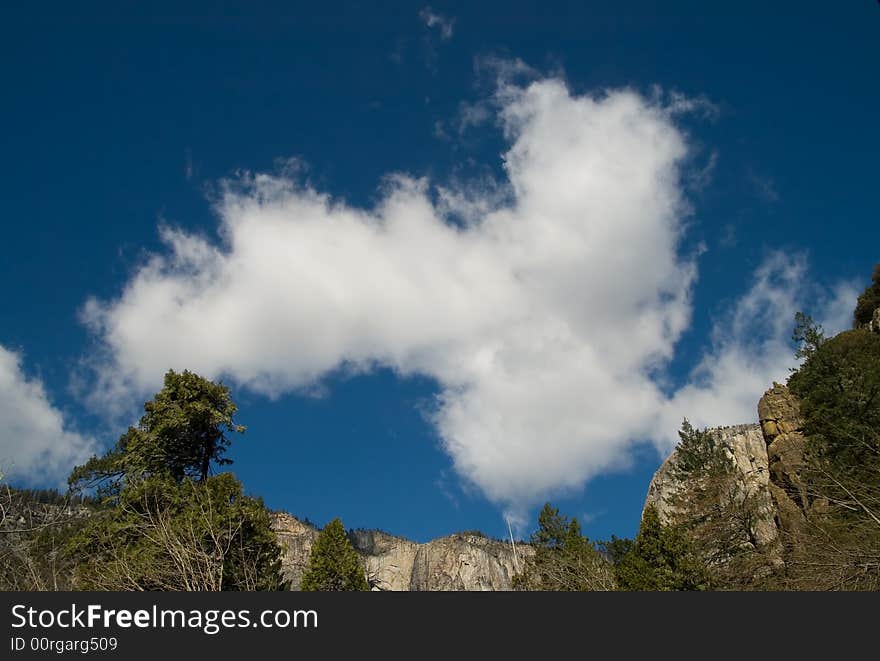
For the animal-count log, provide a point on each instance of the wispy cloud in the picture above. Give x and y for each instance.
(700, 178)
(729, 236)
(445, 486)
(469, 115)
(764, 186)
(436, 21)
(750, 345)
(188, 164)
(438, 29)
(677, 103)
(588, 517)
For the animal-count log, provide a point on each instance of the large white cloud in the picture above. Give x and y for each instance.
(544, 316)
(35, 444)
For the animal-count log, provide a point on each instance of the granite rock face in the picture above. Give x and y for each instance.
(466, 562)
(457, 562)
(768, 459)
(296, 539)
(389, 560)
(746, 450)
(874, 324)
(782, 425)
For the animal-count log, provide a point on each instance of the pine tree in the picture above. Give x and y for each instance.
(698, 454)
(716, 512)
(182, 433)
(807, 334)
(334, 565)
(193, 536)
(662, 558)
(839, 390)
(552, 528)
(564, 560)
(868, 301)
(166, 523)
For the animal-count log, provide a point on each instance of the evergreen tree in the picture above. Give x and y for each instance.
(167, 523)
(839, 390)
(564, 560)
(868, 301)
(838, 387)
(698, 454)
(808, 334)
(552, 528)
(662, 558)
(713, 507)
(334, 565)
(616, 548)
(193, 536)
(182, 433)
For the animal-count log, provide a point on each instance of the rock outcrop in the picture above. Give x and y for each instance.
(782, 426)
(768, 459)
(745, 448)
(389, 560)
(466, 562)
(874, 324)
(296, 539)
(457, 562)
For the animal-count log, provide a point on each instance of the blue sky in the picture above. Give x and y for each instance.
(709, 169)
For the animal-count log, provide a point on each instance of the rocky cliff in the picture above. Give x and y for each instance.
(767, 458)
(456, 562)
(874, 324)
(745, 448)
(782, 428)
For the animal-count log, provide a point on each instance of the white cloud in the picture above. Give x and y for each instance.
(544, 314)
(35, 444)
(443, 24)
